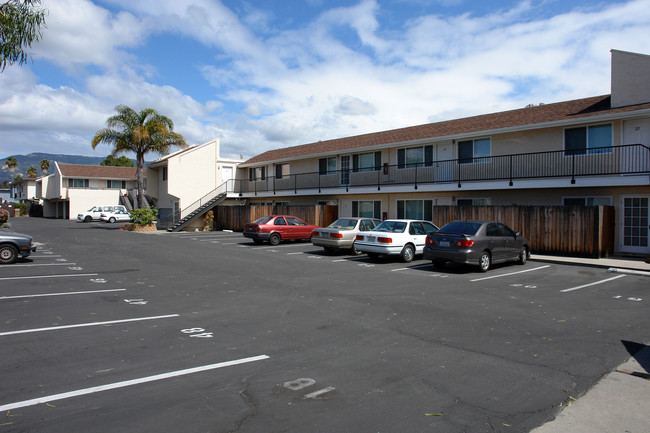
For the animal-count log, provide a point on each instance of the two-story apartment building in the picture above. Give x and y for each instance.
(182, 180)
(23, 190)
(590, 151)
(74, 188)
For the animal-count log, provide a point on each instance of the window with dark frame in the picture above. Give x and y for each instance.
(585, 140)
(474, 151)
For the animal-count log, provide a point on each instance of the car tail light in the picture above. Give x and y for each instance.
(358, 238)
(429, 241)
(465, 243)
(315, 233)
(259, 229)
(336, 235)
(385, 240)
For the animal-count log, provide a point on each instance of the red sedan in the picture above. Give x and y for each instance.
(276, 228)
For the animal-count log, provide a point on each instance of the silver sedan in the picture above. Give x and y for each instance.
(341, 233)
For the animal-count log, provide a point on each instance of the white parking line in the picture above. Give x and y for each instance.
(592, 284)
(80, 325)
(350, 259)
(126, 383)
(44, 264)
(61, 294)
(511, 273)
(48, 276)
(428, 265)
(44, 257)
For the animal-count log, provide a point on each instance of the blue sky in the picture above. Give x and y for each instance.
(261, 75)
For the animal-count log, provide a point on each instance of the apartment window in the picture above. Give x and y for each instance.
(78, 183)
(366, 208)
(415, 157)
(327, 166)
(281, 170)
(473, 202)
(366, 162)
(587, 201)
(164, 174)
(415, 209)
(588, 139)
(256, 173)
(116, 184)
(471, 151)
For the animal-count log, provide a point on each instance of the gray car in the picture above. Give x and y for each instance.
(481, 243)
(14, 245)
(341, 233)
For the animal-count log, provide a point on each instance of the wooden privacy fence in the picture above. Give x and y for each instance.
(553, 230)
(234, 217)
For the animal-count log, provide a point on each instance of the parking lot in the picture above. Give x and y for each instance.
(105, 330)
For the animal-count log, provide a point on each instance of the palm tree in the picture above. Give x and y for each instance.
(45, 165)
(31, 171)
(12, 163)
(140, 133)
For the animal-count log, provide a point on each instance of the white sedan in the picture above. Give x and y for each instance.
(116, 216)
(402, 237)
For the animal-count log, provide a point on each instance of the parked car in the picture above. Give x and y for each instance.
(402, 237)
(95, 212)
(341, 233)
(14, 245)
(116, 216)
(277, 228)
(481, 243)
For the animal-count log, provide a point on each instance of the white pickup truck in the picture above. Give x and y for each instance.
(95, 212)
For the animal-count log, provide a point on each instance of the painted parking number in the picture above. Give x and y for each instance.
(197, 332)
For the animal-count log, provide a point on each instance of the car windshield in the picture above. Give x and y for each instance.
(343, 223)
(460, 227)
(262, 220)
(391, 226)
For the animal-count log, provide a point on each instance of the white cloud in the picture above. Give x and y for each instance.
(273, 88)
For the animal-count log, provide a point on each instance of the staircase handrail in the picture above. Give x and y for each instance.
(221, 189)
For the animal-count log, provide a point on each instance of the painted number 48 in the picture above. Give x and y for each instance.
(197, 332)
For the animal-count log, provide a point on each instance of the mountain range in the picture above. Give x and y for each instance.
(34, 159)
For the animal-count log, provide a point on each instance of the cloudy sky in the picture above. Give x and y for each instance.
(264, 74)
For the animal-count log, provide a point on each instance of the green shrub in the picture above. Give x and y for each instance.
(22, 208)
(144, 216)
(4, 216)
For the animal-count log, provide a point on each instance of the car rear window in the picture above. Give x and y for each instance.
(346, 224)
(391, 226)
(459, 227)
(262, 220)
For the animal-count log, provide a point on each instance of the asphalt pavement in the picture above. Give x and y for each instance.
(620, 401)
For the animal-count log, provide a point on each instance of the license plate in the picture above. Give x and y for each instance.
(324, 235)
(445, 244)
(371, 238)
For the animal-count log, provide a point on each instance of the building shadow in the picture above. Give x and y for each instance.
(641, 353)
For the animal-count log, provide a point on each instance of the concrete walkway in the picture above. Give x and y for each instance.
(620, 401)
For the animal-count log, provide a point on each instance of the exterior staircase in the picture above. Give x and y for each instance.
(204, 206)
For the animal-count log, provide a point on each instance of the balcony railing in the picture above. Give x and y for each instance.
(631, 159)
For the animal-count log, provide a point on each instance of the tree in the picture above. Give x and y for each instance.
(12, 163)
(20, 27)
(31, 171)
(45, 165)
(140, 133)
(122, 161)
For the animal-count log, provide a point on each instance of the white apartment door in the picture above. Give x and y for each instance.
(635, 131)
(635, 224)
(444, 164)
(226, 176)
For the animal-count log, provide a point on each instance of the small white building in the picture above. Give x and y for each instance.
(74, 188)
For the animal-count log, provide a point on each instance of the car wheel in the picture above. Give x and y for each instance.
(356, 252)
(523, 256)
(111, 220)
(485, 261)
(274, 239)
(438, 264)
(88, 219)
(407, 253)
(8, 254)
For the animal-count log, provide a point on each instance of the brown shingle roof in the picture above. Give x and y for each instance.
(576, 109)
(98, 171)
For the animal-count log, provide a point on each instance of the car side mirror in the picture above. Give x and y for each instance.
(517, 234)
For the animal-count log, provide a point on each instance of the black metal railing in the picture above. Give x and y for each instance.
(633, 159)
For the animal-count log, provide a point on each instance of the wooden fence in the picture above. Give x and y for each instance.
(553, 230)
